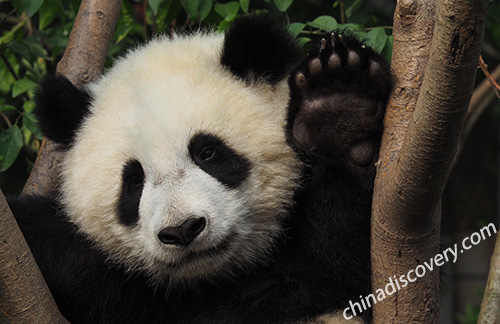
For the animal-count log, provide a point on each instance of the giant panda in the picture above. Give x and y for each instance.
(213, 178)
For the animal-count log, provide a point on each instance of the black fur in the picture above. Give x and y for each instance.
(323, 259)
(60, 108)
(130, 196)
(214, 157)
(256, 47)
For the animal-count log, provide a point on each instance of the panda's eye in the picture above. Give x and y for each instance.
(208, 153)
(132, 185)
(135, 181)
(133, 176)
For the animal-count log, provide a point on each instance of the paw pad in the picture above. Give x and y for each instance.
(338, 97)
(362, 154)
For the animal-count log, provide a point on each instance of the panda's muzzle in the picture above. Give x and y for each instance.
(184, 234)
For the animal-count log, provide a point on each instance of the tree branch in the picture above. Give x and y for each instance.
(24, 295)
(412, 173)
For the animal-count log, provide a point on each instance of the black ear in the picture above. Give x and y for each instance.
(60, 108)
(257, 46)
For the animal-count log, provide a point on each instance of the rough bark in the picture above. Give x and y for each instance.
(83, 61)
(418, 148)
(24, 296)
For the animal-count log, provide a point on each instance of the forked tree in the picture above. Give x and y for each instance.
(435, 58)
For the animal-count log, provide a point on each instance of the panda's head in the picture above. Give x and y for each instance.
(176, 160)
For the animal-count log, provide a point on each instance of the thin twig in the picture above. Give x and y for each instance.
(342, 12)
(492, 81)
(7, 121)
(8, 17)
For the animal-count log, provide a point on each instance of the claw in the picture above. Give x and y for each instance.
(332, 39)
(323, 45)
(301, 82)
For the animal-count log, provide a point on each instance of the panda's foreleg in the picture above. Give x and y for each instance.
(338, 99)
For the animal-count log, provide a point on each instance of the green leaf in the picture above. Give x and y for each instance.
(7, 108)
(245, 4)
(223, 26)
(23, 85)
(58, 41)
(30, 122)
(20, 48)
(174, 7)
(29, 106)
(303, 41)
(295, 28)
(58, 4)
(35, 46)
(376, 39)
(155, 5)
(31, 6)
(48, 12)
(17, 5)
(351, 6)
(8, 37)
(228, 10)
(205, 8)
(11, 142)
(387, 50)
(282, 5)
(191, 7)
(326, 23)
(125, 22)
(355, 28)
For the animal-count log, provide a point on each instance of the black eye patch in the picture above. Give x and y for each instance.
(131, 192)
(213, 156)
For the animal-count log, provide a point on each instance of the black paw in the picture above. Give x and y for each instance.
(338, 99)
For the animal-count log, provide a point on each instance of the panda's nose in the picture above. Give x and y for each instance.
(183, 234)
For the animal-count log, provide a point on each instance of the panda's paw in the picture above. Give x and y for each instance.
(338, 101)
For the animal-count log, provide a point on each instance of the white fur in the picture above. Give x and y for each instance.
(147, 107)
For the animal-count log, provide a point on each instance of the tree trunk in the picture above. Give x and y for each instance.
(83, 61)
(24, 296)
(423, 124)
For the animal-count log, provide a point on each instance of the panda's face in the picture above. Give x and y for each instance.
(181, 169)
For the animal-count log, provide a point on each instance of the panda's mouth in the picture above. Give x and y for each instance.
(190, 256)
